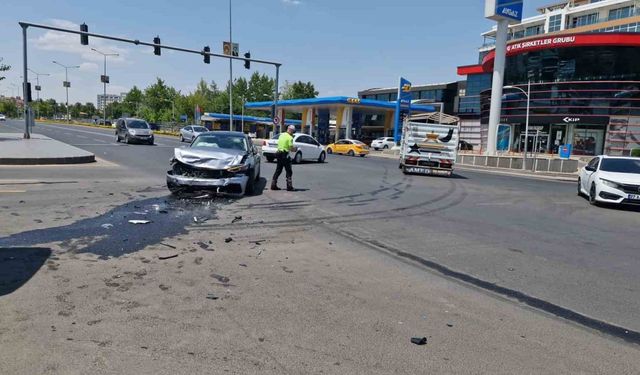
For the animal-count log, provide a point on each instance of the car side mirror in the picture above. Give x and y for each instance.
(590, 169)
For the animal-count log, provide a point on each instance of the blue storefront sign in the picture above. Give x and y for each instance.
(183, 118)
(504, 9)
(504, 138)
(565, 151)
(403, 107)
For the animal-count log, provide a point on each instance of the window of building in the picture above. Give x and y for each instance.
(555, 23)
(518, 34)
(533, 30)
(415, 95)
(383, 97)
(616, 14)
(588, 19)
(393, 97)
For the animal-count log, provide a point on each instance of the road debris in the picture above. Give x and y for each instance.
(222, 279)
(242, 265)
(419, 340)
(212, 296)
(167, 256)
(228, 239)
(139, 222)
(449, 325)
(236, 219)
(167, 245)
(107, 226)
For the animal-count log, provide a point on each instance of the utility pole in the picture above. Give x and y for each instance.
(230, 73)
(38, 88)
(104, 80)
(67, 84)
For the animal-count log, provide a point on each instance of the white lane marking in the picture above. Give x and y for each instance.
(495, 204)
(81, 131)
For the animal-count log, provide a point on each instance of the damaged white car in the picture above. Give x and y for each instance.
(220, 161)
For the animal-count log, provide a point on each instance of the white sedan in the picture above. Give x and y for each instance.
(383, 143)
(610, 179)
(189, 133)
(307, 149)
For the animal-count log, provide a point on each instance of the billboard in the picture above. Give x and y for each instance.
(504, 138)
(510, 10)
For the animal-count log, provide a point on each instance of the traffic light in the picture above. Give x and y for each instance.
(27, 92)
(207, 58)
(156, 48)
(84, 39)
(247, 63)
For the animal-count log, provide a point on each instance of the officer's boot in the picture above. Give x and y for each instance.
(274, 185)
(290, 185)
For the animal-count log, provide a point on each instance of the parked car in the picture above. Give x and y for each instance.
(132, 130)
(348, 147)
(609, 179)
(465, 146)
(3, 117)
(308, 148)
(102, 122)
(154, 126)
(226, 162)
(383, 143)
(189, 133)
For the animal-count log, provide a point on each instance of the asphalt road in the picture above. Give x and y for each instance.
(530, 236)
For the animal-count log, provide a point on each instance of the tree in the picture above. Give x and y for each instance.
(130, 103)
(299, 90)
(3, 68)
(158, 99)
(8, 107)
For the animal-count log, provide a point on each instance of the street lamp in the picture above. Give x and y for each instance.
(104, 79)
(526, 126)
(38, 88)
(67, 84)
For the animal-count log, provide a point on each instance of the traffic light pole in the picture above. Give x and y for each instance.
(137, 42)
(25, 68)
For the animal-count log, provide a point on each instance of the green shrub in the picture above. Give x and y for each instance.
(635, 152)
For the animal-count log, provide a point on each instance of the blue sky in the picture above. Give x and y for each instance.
(342, 46)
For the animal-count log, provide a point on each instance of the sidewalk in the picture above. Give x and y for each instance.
(39, 150)
(568, 177)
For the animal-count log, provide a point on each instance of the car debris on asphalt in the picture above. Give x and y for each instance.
(228, 239)
(167, 256)
(139, 221)
(107, 226)
(212, 296)
(236, 219)
(419, 340)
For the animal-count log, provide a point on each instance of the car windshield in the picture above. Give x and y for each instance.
(221, 141)
(200, 129)
(357, 142)
(620, 165)
(137, 124)
(380, 139)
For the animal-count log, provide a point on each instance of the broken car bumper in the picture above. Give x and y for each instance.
(230, 185)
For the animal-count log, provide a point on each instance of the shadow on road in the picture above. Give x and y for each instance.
(18, 265)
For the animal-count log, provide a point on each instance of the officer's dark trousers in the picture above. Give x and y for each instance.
(284, 161)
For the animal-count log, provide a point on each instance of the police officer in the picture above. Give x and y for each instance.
(285, 146)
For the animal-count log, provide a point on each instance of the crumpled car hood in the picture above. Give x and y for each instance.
(208, 158)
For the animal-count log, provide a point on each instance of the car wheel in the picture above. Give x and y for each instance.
(117, 138)
(579, 187)
(385, 147)
(351, 153)
(181, 139)
(362, 155)
(322, 157)
(592, 195)
(251, 186)
(298, 158)
(329, 151)
(126, 139)
(269, 159)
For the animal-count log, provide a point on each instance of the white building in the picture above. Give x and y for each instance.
(106, 100)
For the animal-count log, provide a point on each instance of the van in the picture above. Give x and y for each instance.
(132, 130)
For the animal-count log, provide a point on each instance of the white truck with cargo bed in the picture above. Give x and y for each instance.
(428, 149)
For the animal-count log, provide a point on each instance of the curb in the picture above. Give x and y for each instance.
(49, 161)
(88, 125)
(516, 174)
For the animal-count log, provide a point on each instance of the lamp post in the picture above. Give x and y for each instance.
(67, 84)
(526, 126)
(104, 82)
(38, 88)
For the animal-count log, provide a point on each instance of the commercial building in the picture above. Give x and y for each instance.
(106, 100)
(581, 57)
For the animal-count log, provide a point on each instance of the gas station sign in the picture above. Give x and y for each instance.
(498, 10)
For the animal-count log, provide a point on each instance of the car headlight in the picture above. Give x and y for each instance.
(132, 132)
(238, 168)
(610, 183)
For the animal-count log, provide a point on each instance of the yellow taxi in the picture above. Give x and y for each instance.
(348, 147)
